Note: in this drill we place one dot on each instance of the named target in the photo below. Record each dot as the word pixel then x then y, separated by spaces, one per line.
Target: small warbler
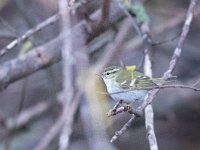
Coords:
pixel 125 83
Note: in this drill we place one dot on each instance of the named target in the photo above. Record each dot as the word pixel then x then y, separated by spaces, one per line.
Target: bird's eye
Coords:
pixel 107 73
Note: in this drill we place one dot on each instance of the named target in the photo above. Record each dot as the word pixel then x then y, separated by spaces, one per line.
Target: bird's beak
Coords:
pixel 98 75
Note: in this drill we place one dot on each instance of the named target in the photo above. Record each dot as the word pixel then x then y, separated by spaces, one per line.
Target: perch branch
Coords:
pixel 12 71
pixel 177 52
pixel 149 97
pixel 147 42
pixel 149 121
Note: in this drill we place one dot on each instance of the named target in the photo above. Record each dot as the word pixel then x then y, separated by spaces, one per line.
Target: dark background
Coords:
pixel 177 111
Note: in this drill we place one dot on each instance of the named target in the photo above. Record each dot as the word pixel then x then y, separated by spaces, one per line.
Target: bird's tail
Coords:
pixel 160 81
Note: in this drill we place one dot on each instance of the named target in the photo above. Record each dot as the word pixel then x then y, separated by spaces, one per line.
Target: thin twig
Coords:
pixel 118 110
pixel 44 55
pixel 131 19
pixel 114 47
pixel 159 29
pixel 114 109
pixel 196 83
pixel 155 87
pixel 29 33
pixel 4 22
pixel 147 42
pixel 26 116
pixel 123 129
pixel 184 33
pixel 56 128
pixel 148 99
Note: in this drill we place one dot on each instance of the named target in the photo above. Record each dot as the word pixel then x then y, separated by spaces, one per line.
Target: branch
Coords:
pixel 56 128
pixel 149 97
pixel 184 33
pixel 143 28
pixel 45 55
pixel 25 116
pixel 29 63
pixel 159 29
pixel 170 86
pixel 123 129
pixel 113 48
pixel 177 52
pixel 149 121
pixel 68 69
pixel 191 87
pixel 29 33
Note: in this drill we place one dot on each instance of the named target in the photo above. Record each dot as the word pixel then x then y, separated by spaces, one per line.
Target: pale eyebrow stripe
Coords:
pixel 114 70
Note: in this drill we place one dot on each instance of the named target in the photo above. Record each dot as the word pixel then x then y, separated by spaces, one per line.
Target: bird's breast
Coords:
pixel 117 93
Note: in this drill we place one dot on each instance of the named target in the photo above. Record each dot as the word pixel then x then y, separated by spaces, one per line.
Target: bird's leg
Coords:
pixel 131 110
pixel 115 110
pixel 118 108
pixel 117 105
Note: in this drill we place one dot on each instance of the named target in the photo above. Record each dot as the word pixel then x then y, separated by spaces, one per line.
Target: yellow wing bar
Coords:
pixel 131 69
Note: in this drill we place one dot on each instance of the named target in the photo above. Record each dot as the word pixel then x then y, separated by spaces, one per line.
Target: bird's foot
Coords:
pixel 115 109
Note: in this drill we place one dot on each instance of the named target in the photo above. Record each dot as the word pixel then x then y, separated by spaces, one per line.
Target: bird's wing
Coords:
pixel 143 81
pixel 124 78
pixel 130 80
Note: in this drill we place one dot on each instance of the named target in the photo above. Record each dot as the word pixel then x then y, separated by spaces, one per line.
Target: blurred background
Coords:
pixel 177 111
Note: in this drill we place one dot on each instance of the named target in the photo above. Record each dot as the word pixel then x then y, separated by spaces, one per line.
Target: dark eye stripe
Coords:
pixel 108 73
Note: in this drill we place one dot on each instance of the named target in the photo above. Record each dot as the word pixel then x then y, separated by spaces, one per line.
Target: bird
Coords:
pixel 127 84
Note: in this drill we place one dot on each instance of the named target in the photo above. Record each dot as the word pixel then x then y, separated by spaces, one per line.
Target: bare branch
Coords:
pixel 147 69
pixel 190 87
pixel 25 116
pixel 123 129
pixel 172 86
pixel 29 63
pixel 44 55
pixel 177 52
pixel 114 47
pixel 149 122
pixel 29 33
pixel 144 32
pixel 56 128
pixel 13 30
pixel 68 64
pixel 160 28
pixel 184 33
